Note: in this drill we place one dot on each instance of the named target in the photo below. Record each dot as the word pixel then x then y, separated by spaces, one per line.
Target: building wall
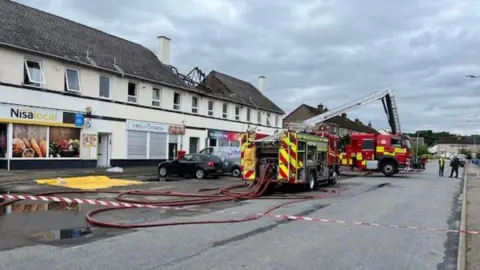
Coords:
pixel 109 115
pixel 453 149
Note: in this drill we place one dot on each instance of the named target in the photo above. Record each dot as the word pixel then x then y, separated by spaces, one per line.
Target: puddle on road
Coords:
pixel 63 234
pixel 21 207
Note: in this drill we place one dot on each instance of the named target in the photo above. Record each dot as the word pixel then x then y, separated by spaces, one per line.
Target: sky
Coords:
pixel 321 51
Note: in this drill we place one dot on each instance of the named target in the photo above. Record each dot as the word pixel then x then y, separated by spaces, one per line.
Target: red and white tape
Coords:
pixel 289 217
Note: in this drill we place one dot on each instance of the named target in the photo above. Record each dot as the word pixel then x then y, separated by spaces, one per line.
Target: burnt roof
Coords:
pixel 34 30
pixel 344 122
pixel 229 87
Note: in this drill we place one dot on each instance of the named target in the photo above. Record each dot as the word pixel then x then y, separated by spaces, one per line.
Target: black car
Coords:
pixel 198 165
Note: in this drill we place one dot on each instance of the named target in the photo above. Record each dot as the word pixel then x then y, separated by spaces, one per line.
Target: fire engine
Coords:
pixel 295 157
pixel 388 153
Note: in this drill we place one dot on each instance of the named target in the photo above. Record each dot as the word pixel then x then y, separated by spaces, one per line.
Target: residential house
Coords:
pixel 74 96
pixel 340 125
pixel 451 146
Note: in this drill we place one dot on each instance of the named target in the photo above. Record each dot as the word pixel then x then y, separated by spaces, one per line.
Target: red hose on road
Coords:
pixel 224 194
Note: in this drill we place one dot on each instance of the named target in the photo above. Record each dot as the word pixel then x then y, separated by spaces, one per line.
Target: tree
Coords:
pixel 344 141
pixel 422 149
pixel 465 152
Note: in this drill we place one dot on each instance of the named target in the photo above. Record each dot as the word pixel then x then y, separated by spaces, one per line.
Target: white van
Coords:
pixel 229 155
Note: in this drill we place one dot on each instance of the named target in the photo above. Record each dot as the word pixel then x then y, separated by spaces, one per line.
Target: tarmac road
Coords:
pixel 421 199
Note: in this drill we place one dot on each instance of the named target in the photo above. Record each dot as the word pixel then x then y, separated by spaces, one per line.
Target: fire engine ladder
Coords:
pixel 389 105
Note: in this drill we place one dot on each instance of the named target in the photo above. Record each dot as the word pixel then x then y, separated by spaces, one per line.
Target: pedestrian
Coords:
pixel 423 161
pixel 441 163
pixel 454 164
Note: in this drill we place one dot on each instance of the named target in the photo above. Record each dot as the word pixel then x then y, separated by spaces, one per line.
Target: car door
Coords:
pixel 174 166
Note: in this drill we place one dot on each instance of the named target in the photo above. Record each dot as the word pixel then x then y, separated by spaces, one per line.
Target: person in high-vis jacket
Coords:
pixel 441 164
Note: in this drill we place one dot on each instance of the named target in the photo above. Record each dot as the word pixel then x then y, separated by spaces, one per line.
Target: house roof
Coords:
pixel 31 29
pixel 344 122
pixel 244 92
pixel 459 140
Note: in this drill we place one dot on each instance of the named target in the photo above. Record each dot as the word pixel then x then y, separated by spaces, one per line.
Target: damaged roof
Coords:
pixel 229 87
pixel 31 29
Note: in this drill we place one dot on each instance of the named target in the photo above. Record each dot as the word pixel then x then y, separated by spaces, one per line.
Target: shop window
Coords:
pixel 72 80
pixel 234 143
pixel 259 117
pixel 225 110
pixel 194 105
pixel 176 101
pixel 137 144
pixel 3 140
pixel 156 97
pixel 237 113
pixel 249 111
pixel 268 120
pixel 29 141
pixel 158 145
pixel 132 92
pixel 104 87
pixel 223 142
pixel 33 73
pixel 64 142
pixel 211 107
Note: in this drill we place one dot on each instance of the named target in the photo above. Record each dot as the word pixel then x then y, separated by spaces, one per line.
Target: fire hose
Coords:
pixel 257 190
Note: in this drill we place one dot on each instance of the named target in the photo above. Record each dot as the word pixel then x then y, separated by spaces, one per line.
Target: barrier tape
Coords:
pixel 288 217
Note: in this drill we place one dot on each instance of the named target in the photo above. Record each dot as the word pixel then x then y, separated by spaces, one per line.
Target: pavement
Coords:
pixel 473 217
pixel 134 173
pixel 409 199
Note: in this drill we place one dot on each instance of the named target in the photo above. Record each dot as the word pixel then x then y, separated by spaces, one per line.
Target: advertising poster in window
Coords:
pixel 29 141
pixel 64 142
pixel 3 140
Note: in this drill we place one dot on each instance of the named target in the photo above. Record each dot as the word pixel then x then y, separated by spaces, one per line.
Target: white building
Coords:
pixel 73 96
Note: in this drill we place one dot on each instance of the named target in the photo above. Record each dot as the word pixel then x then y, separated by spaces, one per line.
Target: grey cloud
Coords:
pixel 316 51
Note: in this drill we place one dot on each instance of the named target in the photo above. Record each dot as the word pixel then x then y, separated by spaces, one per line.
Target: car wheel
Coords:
pixel 162 171
pixel 200 174
pixel 236 172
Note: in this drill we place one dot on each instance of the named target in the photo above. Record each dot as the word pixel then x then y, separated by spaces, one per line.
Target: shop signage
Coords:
pixel 147 126
pixel 226 135
pixel 177 130
pixel 79 119
pixel 26 113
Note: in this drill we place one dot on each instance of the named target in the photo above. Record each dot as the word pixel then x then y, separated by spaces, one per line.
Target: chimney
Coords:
pixel 344 115
pixel 261 84
pixel 164 49
pixel 320 108
pixel 369 124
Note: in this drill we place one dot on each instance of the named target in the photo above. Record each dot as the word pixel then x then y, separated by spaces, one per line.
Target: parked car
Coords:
pixel 197 165
pixel 230 157
pixel 463 159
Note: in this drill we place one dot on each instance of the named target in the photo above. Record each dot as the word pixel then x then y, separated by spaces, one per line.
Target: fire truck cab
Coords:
pixel 294 157
pixel 386 153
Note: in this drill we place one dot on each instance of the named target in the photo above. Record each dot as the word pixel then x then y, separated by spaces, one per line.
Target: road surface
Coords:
pixel 423 200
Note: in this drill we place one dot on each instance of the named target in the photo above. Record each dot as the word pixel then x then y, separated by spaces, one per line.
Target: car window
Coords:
pixel 188 157
pixel 197 158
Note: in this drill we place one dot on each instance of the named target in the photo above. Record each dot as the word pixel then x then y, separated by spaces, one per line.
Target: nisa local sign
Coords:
pixel 33 115
pixel 29 114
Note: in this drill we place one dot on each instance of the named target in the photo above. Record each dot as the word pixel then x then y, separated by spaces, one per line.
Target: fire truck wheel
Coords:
pixel 333 179
pixel 388 168
pixel 312 181
pixel 200 174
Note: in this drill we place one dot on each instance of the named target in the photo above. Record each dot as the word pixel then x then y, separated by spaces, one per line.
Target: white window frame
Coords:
pixel 237 116
pixel 136 92
pixel 269 123
pixel 259 117
pixel 34 83
pixel 212 111
pixel 109 86
pixel 224 113
pixel 66 80
pixel 157 102
pixel 276 120
pixel 195 109
pixel 177 107
pixel 249 115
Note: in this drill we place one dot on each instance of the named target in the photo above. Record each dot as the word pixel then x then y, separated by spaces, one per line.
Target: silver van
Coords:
pixel 229 155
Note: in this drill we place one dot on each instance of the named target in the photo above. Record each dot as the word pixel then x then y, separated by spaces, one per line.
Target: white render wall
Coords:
pixel 12 72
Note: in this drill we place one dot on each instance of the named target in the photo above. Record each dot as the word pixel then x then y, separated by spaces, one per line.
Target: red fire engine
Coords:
pixel 388 153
